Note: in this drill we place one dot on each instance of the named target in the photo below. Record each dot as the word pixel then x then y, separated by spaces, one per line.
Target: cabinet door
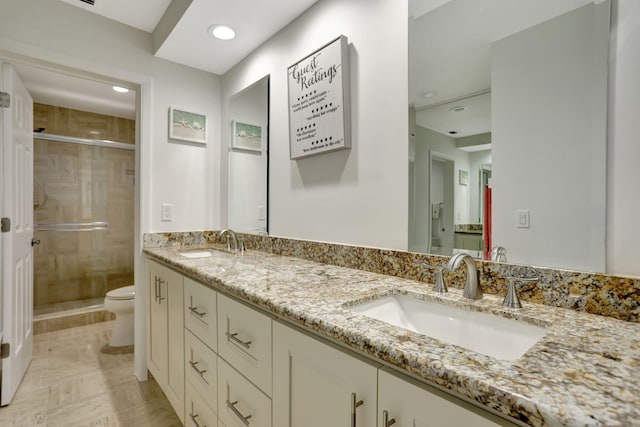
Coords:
pixel 157 324
pixel 198 413
pixel 166 333
pixel 201 370
pixel 240 403
pixel 408 403
pixel 244 340
pixel 317 385
pixel 200 312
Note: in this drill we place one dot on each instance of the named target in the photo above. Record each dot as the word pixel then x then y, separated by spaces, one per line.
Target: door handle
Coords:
pixel 35 242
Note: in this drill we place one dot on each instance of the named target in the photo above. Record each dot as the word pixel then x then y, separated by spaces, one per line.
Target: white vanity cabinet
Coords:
pixel 317 385
pixel 221 362
pixel 404 402
pixel 165 334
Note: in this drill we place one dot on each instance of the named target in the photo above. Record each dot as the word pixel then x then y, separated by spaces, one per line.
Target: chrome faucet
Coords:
pixel 499 254
pixel 231 235
pixel 472 288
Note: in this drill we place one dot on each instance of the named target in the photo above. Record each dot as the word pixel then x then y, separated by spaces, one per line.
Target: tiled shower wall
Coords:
pixel 83 184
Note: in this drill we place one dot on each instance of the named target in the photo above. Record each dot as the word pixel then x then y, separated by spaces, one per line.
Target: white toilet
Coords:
pixel 120 302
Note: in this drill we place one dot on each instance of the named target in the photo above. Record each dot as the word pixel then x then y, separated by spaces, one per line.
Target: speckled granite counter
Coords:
pixel 584 372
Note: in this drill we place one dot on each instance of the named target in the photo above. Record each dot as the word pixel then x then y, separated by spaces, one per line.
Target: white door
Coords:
pixel 16 137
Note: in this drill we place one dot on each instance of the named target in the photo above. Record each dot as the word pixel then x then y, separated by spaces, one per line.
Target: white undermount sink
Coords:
pixel 488 334
pixel 199 253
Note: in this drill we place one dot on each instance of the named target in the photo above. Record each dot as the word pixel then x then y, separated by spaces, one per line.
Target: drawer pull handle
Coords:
pixel 195 311
pixel 234 337
pixel 354 405
pixel 193 418
pixel 200 372
pixel 232 406
pixel 386 422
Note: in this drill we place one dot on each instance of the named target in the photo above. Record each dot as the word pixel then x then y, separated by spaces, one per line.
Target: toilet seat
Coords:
pixel 120 294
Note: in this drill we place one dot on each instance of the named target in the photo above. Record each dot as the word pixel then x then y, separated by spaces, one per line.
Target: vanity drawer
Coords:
pixel 245 341
pixel 241 403
pixel 200 369
pixel 200 312
pixel 197 412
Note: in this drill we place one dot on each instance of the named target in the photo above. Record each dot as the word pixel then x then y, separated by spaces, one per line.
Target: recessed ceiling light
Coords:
pixel 459 109
pixel 120 89
pixel 222 32
pixel 430 94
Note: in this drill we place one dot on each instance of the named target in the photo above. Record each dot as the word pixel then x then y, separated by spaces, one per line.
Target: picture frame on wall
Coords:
pixel 319 104
pixel 246 136
pixel 187 125
pixel 463 177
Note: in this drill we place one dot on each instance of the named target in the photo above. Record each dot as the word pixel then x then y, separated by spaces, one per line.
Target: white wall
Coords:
pixel 623 173
pixel 248 169
pixel 548 133
pixel 360 195
pixel 53 31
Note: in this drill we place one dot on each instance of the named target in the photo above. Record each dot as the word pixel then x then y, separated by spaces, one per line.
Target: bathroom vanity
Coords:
pixel 284 323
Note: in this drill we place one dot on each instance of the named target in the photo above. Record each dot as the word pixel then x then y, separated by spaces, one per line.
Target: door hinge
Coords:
pixel 5 226
pixel 5 350
pixel 5 100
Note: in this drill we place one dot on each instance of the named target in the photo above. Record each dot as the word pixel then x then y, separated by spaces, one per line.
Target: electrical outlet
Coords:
pixel 167 212
pixel 261 213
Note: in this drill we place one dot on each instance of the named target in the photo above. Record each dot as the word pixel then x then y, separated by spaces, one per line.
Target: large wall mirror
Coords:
pixel 509 95
pixel 249 159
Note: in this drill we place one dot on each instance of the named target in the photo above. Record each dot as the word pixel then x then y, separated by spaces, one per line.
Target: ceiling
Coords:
pixel 141 14
pixel 52 88
pixel 188 43
pixel 450 51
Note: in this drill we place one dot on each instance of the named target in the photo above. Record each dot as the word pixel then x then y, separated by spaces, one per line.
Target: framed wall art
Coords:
pixel 463 177
pixel 187 125
pixel 318 87
pixel 246 136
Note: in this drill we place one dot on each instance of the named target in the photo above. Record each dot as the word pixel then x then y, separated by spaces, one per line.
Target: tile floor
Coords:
pixel 70 383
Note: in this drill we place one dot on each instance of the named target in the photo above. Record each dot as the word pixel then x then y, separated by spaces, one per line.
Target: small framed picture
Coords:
pixel 246 136
pixel 463 177
pixel 187 125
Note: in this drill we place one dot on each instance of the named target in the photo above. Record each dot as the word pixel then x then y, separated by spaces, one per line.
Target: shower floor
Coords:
pixel 67 307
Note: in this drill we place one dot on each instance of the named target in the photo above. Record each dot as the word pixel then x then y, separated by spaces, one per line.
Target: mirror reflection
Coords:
pixel 249 159
pixel 507 141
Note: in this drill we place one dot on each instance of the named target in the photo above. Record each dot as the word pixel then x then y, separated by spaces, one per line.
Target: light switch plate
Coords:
pixel 522 219
pixel 167 212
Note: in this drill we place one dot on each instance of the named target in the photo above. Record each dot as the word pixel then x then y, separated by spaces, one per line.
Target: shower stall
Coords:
pixel 83 208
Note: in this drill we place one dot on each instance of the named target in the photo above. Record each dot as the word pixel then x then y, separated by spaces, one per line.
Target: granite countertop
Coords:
pixel 584 372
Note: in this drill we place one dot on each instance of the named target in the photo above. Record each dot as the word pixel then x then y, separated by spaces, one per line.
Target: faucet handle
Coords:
pixel 511 299
pixel 241 245
pixel 439 286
